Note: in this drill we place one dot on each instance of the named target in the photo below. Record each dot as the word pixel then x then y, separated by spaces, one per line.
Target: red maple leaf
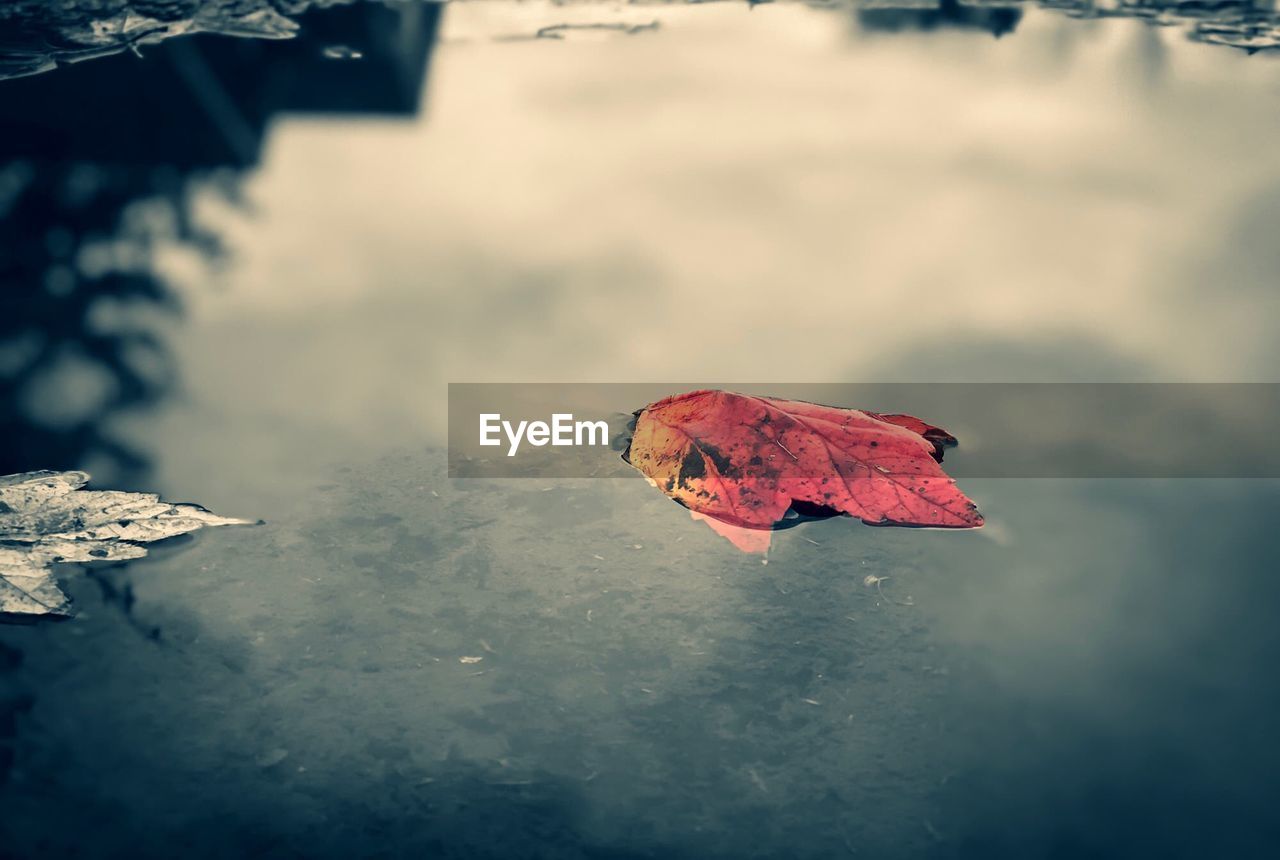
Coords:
pixel 761 462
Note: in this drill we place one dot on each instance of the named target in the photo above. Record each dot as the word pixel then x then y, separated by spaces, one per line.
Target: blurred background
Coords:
pixel 245 245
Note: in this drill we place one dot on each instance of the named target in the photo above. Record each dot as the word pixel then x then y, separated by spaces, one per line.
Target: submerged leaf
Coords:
pixel 47 518
pixel 764 463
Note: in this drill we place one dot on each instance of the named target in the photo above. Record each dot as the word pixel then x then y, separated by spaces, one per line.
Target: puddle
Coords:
pixel 243 271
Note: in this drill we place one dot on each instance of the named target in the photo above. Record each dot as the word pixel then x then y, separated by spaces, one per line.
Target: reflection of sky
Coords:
pixel 761 196
pixel 756 195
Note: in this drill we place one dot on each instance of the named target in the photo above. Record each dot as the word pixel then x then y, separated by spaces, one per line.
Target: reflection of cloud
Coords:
pixel 740 196
pixel 1230 286
pixel 997 357
pixel 1250 254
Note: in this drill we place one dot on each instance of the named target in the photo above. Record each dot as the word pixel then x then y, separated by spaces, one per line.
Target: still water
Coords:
pixel 241 271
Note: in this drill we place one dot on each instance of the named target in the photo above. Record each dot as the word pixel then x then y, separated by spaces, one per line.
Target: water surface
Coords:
pixel 254 292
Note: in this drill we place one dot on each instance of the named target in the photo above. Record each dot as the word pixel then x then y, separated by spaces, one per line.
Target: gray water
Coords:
pixel 777 192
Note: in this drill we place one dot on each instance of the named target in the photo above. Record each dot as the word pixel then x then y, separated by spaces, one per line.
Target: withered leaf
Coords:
pixel 47 518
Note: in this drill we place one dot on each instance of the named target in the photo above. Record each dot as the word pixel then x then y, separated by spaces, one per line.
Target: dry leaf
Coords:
pixel 761 463
pixel 47 518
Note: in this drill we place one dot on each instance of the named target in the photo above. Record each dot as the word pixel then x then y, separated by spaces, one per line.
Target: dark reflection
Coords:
pixel 998 20
pixel 38 36
pixel 463 812
pixel 98 168
pixel 1139 723
pixel 75 269
pixel 13 702
pixel 1248 25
